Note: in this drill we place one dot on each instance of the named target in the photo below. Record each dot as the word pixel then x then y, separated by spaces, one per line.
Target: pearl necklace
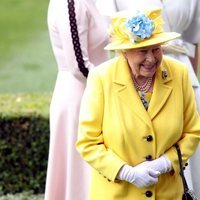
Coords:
pixel 145 87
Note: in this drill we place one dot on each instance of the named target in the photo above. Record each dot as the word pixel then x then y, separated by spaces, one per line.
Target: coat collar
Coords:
pixel 128 95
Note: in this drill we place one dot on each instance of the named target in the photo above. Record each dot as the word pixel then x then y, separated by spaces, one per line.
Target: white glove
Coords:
pixel 161 164
pixel 140 175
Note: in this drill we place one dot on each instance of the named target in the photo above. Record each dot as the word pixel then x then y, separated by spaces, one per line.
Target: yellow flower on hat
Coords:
pixel 137 30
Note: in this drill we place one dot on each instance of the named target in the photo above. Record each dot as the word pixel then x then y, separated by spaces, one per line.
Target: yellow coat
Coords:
pixel 115 128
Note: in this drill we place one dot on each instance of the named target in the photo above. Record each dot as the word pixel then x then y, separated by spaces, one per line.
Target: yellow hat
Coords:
pixel 139 29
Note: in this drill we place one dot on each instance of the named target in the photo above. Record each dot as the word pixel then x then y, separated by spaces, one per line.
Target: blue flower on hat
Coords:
pixel 140 26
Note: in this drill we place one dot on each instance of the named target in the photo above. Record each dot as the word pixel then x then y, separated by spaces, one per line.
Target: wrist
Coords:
pixel 123 172
pixel 167 163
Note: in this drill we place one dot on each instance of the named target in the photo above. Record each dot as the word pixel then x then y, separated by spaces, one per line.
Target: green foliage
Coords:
pixel 23 196
pixel 24 104
pixel 24 140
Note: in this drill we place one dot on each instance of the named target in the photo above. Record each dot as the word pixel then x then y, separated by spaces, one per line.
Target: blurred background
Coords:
pixel 27 76
pixel 26 60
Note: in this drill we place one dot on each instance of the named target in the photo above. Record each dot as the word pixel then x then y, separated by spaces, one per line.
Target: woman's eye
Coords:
pixel 156 50
pixel 143 51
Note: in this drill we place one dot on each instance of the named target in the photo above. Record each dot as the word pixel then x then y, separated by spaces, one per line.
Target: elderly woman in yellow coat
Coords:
pixel 135 108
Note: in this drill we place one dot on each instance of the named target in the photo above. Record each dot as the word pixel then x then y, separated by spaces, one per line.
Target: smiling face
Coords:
pixel 144 61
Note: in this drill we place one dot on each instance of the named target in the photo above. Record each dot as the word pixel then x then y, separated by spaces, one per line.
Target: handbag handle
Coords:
pixel 75 38
pixel 185 186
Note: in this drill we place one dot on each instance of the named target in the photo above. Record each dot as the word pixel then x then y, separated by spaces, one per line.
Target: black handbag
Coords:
pixel 188 194
pixel 75 38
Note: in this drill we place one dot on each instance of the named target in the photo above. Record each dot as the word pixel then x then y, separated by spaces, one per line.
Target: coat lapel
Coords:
pixel 161 91
pixel 126 92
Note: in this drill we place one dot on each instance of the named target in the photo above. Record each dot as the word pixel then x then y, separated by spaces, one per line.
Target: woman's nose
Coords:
pixel 150 57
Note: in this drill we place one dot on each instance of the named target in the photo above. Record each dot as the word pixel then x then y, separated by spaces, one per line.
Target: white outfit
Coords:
pixel 68 175
pixel 182 16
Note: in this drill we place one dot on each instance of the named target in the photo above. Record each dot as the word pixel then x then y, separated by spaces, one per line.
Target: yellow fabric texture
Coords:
pixel 114 126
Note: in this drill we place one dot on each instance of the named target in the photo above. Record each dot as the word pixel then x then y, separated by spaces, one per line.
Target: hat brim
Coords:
pixel 155 39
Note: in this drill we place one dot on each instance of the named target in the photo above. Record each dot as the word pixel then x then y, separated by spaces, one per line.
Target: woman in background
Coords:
pixel 182 16
pixel 68 174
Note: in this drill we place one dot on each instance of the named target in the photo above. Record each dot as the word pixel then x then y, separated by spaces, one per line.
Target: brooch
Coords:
pixel 164 74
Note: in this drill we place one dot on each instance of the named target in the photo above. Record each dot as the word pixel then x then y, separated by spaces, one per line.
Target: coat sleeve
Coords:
pixel 191 125
pixel 90 142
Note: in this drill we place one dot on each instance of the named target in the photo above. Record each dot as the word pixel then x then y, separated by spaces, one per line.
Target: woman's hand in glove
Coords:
pixel 161 164
pixel 140 175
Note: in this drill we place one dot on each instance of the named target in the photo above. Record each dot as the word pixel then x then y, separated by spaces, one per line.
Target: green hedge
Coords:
pixel 23 196
pixel 24 141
